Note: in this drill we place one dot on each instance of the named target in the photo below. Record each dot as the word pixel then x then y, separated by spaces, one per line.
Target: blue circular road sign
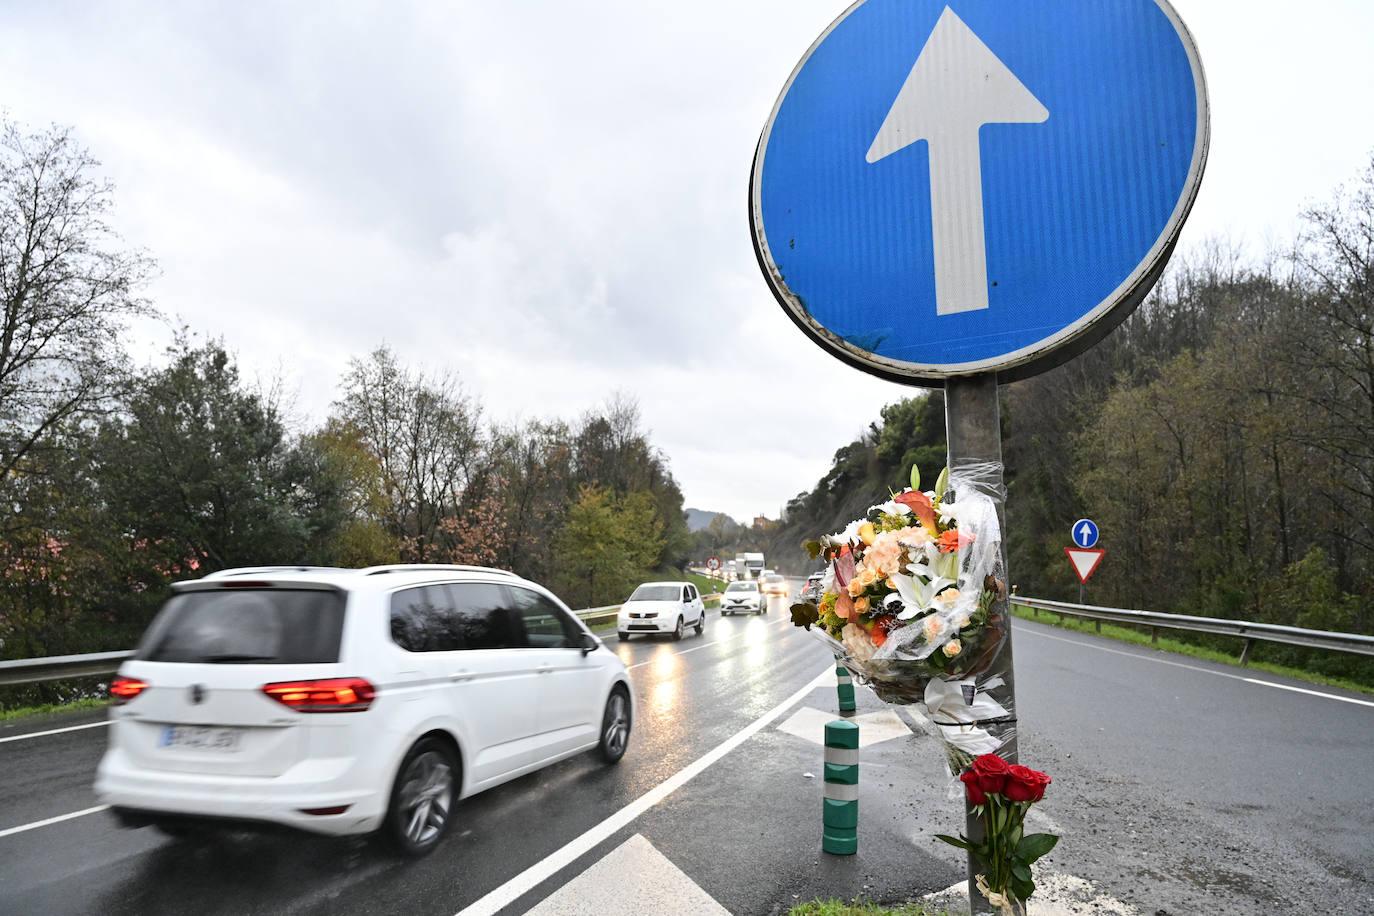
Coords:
pixel 1084 533
pixel 978 186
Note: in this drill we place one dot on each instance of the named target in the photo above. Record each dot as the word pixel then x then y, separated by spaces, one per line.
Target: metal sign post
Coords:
pixel 973 431
pixel 949 193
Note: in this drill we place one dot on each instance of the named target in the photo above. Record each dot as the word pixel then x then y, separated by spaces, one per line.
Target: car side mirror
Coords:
pixel 589 644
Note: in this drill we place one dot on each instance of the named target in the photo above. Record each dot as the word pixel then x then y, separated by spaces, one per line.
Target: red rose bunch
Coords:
pixel 1001 794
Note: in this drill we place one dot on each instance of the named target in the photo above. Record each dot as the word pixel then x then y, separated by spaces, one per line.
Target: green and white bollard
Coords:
pixel 840 834
pixel 845 688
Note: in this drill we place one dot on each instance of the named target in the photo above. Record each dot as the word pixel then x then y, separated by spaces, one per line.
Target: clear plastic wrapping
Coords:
pixel 935 616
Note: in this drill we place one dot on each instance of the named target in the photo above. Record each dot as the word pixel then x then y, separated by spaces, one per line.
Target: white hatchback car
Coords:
pixel 661 607
pixel 743 596
pixel 352 701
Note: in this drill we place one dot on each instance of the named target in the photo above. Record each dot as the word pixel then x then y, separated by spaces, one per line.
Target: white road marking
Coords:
pixel 541 871
pixel 54 731
pixel 1165 661
pixel 874 727
pixel 10 831
pixel 632 879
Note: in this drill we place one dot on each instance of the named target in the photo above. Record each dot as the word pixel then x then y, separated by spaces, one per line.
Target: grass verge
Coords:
pixel 1178 647
pixel 840 908
pixel 704 584
pixel 22 712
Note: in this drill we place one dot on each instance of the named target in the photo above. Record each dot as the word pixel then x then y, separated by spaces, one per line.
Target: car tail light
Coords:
pixel 124 689
pixel 337 694
pixel 326 812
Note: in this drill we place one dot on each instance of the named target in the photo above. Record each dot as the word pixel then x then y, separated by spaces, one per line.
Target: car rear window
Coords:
pixel 270 626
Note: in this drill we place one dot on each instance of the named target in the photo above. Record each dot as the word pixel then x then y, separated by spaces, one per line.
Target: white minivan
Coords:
pixel 353 701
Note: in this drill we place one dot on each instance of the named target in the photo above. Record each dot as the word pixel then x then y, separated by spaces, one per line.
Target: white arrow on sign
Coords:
pixel 1085 533
pixel 955 87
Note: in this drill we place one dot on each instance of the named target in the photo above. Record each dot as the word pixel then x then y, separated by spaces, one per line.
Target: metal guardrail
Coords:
pixel 1240 629
pixel 58 667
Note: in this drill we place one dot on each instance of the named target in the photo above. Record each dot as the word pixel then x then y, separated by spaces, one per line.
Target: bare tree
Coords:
pixel 68 288
pixel 1337 261
pixel 426 435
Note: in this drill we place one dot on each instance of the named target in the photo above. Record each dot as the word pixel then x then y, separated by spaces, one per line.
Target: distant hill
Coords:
pixel 699 519
pixel 911 431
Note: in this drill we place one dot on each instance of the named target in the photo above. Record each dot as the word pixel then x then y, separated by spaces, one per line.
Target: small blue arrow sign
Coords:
pixel 950 187
pixel 1085 533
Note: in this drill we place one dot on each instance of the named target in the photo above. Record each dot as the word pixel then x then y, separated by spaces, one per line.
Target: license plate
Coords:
pixel 200 738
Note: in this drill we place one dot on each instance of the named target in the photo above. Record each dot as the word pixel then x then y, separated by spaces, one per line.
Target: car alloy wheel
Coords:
pixel 615 726
pixel 701 622
pixel 423 798
pixel 677 633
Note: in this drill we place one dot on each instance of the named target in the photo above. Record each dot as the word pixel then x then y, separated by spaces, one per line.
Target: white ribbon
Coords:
pixel 947 707
pixel 970 739
pixel 947 699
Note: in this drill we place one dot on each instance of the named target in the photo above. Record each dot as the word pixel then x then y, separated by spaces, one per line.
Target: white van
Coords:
pixel 353 701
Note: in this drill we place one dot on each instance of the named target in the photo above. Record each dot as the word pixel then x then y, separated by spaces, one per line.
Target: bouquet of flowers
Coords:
pixel 912 591
pixel 1001 794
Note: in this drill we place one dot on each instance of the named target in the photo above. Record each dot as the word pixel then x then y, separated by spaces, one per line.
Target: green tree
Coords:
pixel 200 474
pixel 607 546
pixel 343 498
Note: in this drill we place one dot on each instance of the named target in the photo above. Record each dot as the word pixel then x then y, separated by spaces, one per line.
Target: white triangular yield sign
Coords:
pixel 1084 561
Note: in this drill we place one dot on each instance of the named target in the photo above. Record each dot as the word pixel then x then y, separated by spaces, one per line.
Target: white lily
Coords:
pixel 922 568
pixel 948 512
pixel 918 596
pixel 928 562
pixel 891 507
pixel 850 534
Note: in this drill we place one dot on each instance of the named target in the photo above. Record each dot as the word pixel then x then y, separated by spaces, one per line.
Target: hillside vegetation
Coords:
pixel 1222 437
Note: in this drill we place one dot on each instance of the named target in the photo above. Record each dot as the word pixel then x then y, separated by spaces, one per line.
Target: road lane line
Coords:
pixel 52 820
pixel 494 901
pixel 1165 661
pixel 54 731
pixel 1315 693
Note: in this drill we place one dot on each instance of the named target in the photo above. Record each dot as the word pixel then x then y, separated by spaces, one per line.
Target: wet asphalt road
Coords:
pixel 691 696
pixel 1179 786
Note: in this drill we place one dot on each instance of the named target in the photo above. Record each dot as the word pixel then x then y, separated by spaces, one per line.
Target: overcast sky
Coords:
pixel 549 197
